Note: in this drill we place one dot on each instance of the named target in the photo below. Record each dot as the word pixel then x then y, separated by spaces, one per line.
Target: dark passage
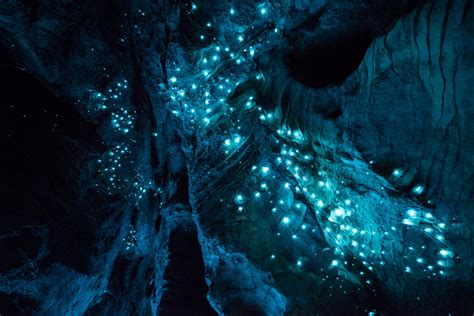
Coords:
pixel 332 60
pixel 42 139
pixel 186 289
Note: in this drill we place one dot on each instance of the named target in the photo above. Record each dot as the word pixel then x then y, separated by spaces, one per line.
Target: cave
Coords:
pixel 330 61
pixel 237 157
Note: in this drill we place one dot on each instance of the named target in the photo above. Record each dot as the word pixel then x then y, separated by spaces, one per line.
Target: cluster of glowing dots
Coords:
pixel 291 135
pixel 193 100
pixel 105 100
pixel 336 225
pixel 198 97
pixel 130 240
pixel 186 89
pixel 142 186
pixel 122 120
pixel 233 143
pixel 111 163
pixel 434 229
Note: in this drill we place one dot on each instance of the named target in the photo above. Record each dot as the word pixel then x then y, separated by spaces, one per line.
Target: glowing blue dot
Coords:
pixel 397 173
pixel 418 189
pixel 339 212
pixel 298 135
pixel 239 199
pixel 285 220
pixel 445 253
pixel 407 221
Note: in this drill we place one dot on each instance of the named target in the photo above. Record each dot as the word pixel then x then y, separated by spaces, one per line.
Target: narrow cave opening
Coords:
pixel 330 61
pixel 186 288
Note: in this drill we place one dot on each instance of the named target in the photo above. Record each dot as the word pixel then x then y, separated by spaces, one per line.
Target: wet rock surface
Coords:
pixel 237 158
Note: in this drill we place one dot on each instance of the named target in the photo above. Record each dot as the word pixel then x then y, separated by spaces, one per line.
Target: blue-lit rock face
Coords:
pixel 237 158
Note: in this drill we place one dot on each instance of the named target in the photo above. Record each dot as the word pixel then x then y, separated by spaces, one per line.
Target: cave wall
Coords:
pixel 320 164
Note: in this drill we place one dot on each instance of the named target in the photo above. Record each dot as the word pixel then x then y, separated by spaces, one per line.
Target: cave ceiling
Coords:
pixel 278 157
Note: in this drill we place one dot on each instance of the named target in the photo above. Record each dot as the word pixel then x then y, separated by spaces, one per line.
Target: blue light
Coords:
pixel 239 199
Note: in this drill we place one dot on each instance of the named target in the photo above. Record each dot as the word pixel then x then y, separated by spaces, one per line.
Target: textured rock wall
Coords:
pixel 315 157
pixel 102 250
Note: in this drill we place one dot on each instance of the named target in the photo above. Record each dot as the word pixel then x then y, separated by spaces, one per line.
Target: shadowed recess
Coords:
pixel 330 61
